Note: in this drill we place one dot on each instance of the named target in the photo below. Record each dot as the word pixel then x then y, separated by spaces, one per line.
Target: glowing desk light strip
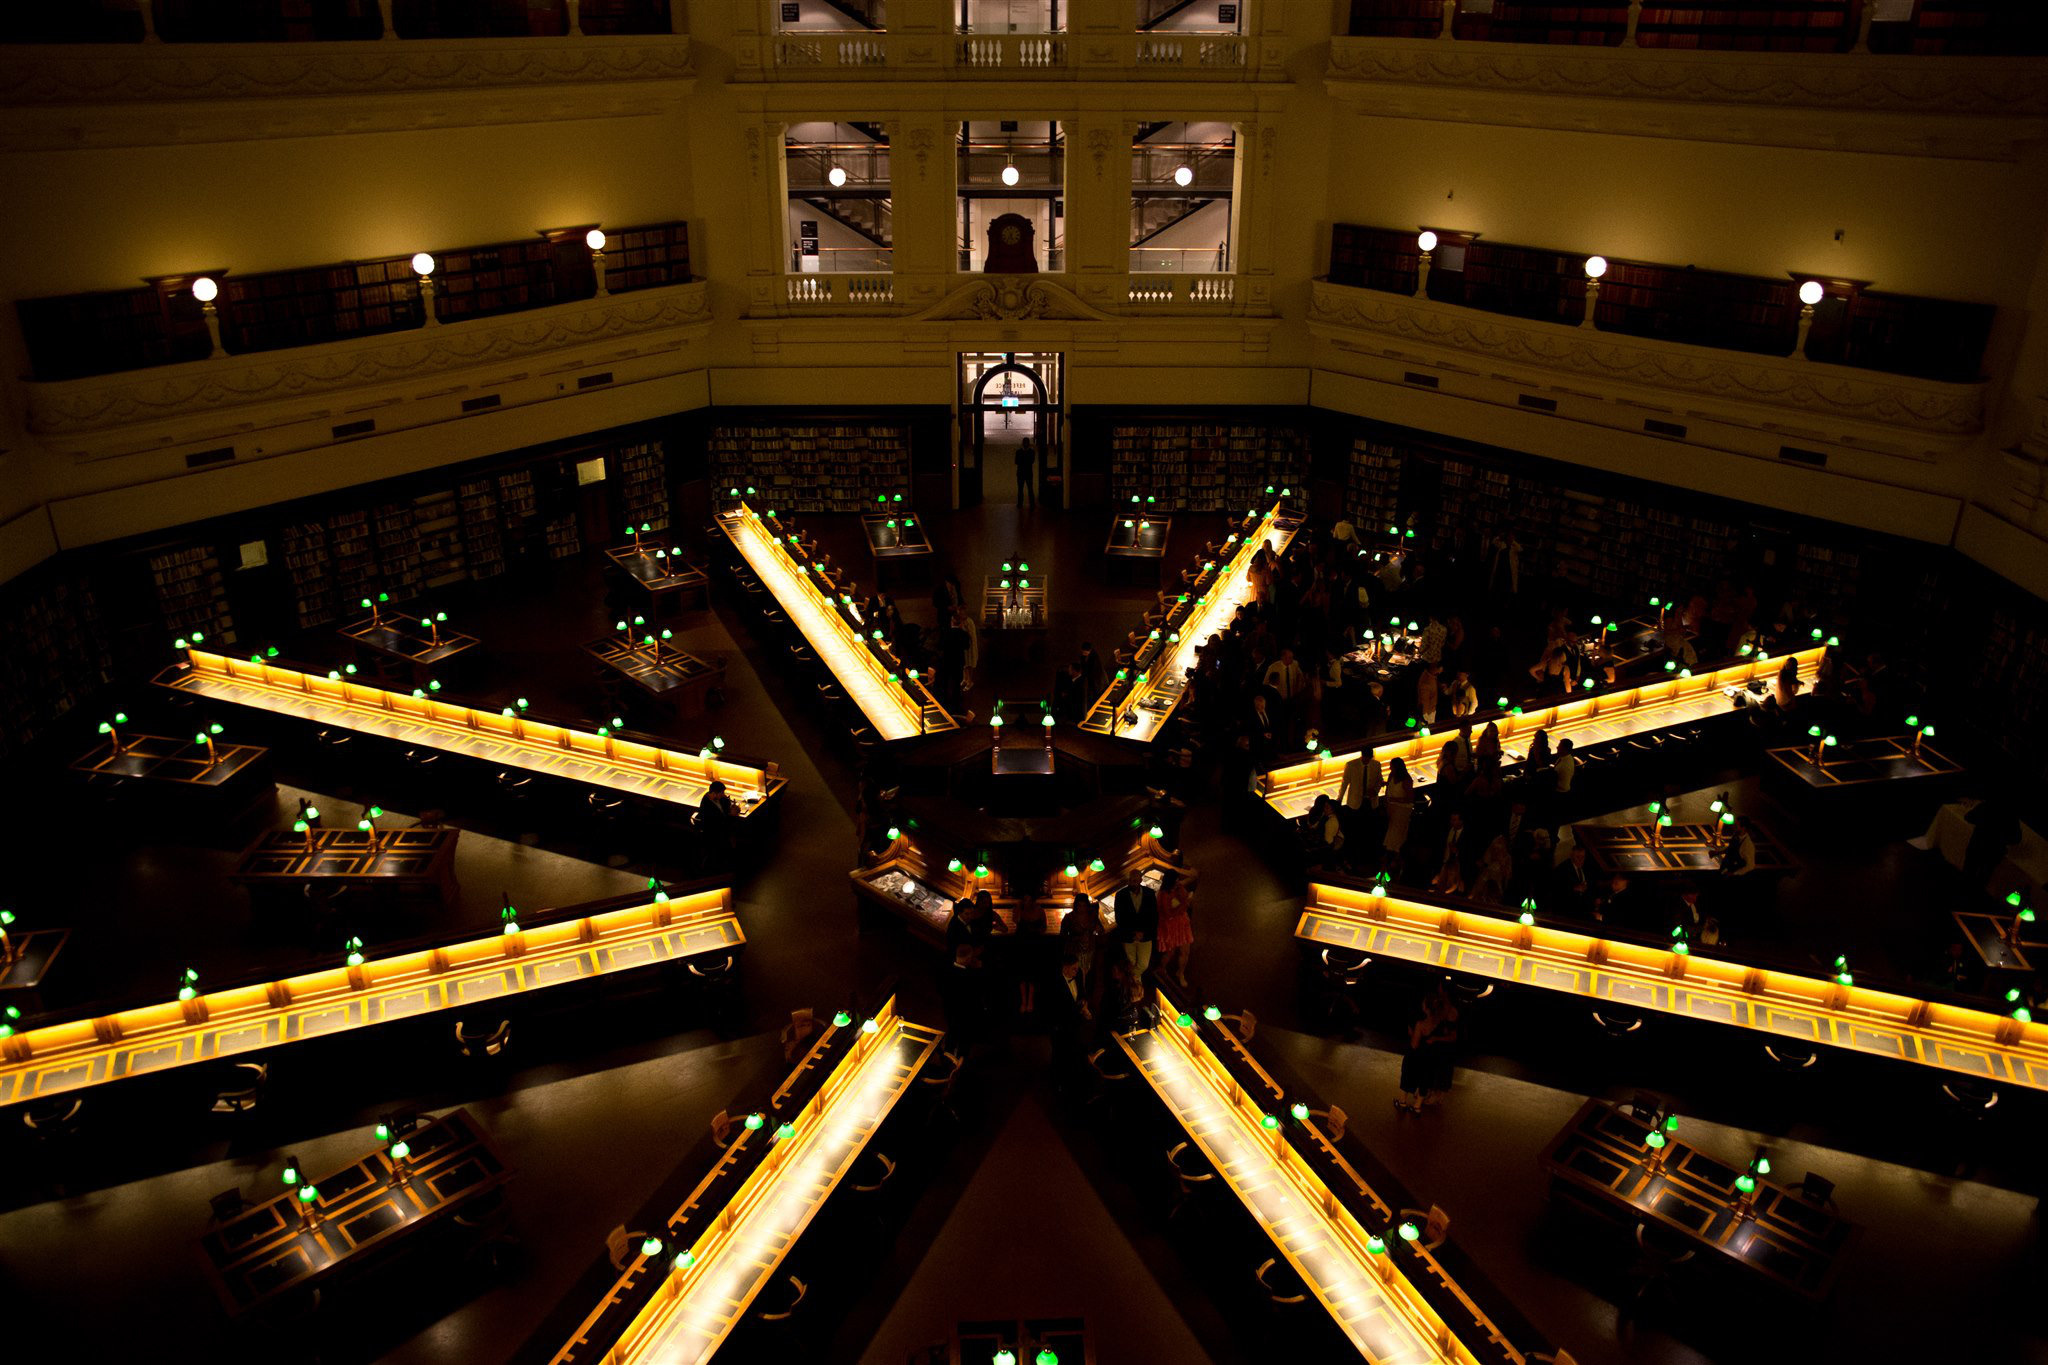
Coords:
pixel 704 1297
pixel 533 745
pixel 153 1038
pixel 1292 790
pixel 1384 1315
pixel 1231 590
pixel 889 707
pixel 1857 1018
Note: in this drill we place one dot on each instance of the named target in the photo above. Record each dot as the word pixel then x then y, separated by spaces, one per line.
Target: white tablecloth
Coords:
pixel 2025 867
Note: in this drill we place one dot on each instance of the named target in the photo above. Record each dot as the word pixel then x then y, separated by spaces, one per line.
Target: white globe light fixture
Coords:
pixel 422 264
pixel 1810 293
pixel 836 177
pixel 594 239
pixel 1596 266
pixel 205 289
pixel 1426 240
pixel 1183 176
pixel 1010 174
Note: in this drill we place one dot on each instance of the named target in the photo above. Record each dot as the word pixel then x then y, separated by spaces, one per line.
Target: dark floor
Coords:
pixel 1023 1223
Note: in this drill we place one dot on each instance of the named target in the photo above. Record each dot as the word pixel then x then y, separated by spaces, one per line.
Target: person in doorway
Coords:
pixel 1027 459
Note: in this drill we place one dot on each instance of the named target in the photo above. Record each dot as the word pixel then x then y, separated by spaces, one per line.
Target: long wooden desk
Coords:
pixel 181 762
pixel 1864 762
pixel 254 1018
pixel 360 1211
pixel 736 1230
pixel 886 700
pixel 1601 1159
pixel 659 571
pixel 1592 719
pixel 1638 850
pixel 1809 1009
pixel 1368 1294
pixel 536 746
pixel 420 856
pixel 673 676
pixel 1159 674
pixel 408 640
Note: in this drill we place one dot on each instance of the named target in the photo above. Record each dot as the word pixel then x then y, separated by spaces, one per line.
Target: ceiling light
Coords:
pixel 1183 175
pixel 836 177
pixel 1010 175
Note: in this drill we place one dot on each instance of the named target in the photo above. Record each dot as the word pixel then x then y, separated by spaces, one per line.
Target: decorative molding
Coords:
pixel 147 94
pixel 1013 298
pixel 207 387
pixel 920 143
pixel 1454 336
pixel 1101 141
pixel 1966 107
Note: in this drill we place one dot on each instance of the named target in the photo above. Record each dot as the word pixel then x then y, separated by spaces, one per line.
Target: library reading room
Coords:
pixel 1390 704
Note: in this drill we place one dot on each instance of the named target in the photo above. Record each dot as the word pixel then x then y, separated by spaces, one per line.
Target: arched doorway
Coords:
pixel 1005 398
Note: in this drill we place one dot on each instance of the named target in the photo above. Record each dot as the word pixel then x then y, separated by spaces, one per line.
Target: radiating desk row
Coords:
pixel 730 1236
pixel 1993 1047
pixel 255 1018
pixel 895 707
pixel 557 751
pixel 1159 672
pixel 1593 719
pixel 1356 1273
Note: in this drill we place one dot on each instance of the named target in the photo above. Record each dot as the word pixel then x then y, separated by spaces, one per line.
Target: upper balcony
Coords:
pixel 140 72
pixel 1919 77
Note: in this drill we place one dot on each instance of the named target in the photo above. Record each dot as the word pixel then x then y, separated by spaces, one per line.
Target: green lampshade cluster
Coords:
pixel 354 948
pixel 1842 974
pixel 188 984
pixel 1679 943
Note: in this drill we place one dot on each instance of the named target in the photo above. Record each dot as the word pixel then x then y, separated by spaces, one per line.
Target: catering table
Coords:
pixel 662 573
pixel 362 1210
pixel 1013 602
pixel 244 1019
pixel 2024 867
pixel 1601 1162
pixel 178 762
pixel 1684 848
pixel 412 859
pixel 674 677
pixel 408 641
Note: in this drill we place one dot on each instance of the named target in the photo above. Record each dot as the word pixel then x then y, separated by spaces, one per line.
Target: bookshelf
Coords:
pixel 1699 307
pixel 647 257
pixel 437 525
pixel 191 593
pixel 1600 23
pixel 311 568
pixel 812 468
pixel 398 550
pixel 482 544
pixel 643 477
pixel 1372 485
pixel 486 280
pixel 128 329
pixel 1750 26
pixel 563 539
pixel 355 563
pixel 283 308
pixel 59 656
pixel 1205 466
pixel 1373 258
pixel 1523 282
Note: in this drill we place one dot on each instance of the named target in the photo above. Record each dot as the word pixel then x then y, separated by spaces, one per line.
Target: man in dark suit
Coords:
pixel 1137 924
pixel 1572 888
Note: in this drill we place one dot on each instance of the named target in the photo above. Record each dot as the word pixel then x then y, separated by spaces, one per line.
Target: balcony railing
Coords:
pixel 1011 51
pixel 75 335
pixel 843 260
pixel 826 290
pixel 1153 260
pixel 292 21
pixel 1198 51
pixel 1936 27
pixel 803 51
pixel 1191 289
pixel 1935 339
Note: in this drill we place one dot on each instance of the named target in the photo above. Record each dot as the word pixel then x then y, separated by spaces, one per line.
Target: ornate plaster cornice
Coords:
pixel 642 321
pixel 1969 107
pixel 1013 298
pixel 99 96
pixel 1733 384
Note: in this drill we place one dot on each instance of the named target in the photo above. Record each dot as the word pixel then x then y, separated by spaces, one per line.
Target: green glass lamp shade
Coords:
pixel 1047 1356
pixel 650 1246
pixel 1095 865
pixel 1006 1356
pixel 1654 1141
pixel 754 1121
pixel 308 1193
pixel 870 1027
pixel 787 1130
pixel 1073 870
pixel 1184 1019
pixel 1409 1232
pixel 1376 1245
pixel 841 1019
pixel 1746 1184
pixel 952 864
pixel 1268 1122
pixel 1156 832
pixel 1671 1123
pixel 1300 1112
pixel 401 1149
pixel 684 1260
pixel 1212 1013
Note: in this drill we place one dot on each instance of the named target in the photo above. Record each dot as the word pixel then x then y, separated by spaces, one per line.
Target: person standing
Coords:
pixel 1137 925
pixel 1027 458
pixel 1286 681
pixel 963 619
pixel 1176 924
pixel 1400 806
pixel 1426 1070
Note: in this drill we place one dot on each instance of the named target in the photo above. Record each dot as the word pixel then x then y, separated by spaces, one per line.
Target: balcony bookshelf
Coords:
pixel 1204 466
pixel 827 467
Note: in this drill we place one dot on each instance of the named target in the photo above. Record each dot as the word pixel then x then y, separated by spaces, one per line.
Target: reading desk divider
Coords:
pixel 610 761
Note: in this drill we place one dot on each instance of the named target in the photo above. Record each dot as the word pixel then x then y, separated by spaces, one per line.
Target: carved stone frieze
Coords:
pixel 69 96
pixel 1012 298
pixel 1397 325
pixel 1961 106
pixel 208 386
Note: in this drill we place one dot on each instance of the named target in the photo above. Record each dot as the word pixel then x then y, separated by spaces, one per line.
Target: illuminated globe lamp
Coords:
pixel 1810 294
pixel 423 266
pixel 1596 266
pixel 1011 175
pixel 1425 242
